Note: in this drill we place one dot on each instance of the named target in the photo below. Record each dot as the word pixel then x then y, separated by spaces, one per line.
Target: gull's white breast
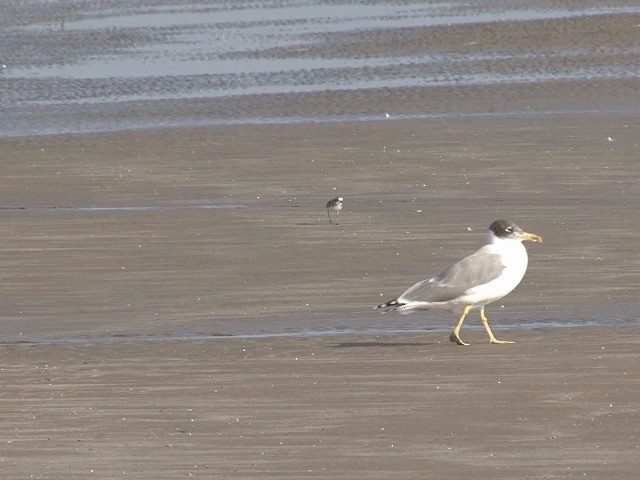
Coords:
pixel 514 257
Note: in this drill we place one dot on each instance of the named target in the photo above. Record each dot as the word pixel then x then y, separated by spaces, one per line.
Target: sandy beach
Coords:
pixel 560 403
pixel 176 304
pixel 96 381
pixel 107 235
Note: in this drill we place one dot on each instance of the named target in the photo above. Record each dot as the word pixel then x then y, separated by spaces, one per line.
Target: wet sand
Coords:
pixel 175 303
pixel 561 403
pixel 154 257
pixel 97 383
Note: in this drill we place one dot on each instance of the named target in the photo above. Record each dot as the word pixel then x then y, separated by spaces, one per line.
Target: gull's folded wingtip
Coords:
pixel 391 305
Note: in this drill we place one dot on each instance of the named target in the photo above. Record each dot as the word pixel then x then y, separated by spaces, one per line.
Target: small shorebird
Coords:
pixel 487 275
pixel 334 205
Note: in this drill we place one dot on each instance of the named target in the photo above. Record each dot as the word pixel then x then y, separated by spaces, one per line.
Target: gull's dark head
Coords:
pixel 510 231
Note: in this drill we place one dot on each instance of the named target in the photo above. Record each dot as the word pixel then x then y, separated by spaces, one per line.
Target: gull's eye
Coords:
pixel 509 229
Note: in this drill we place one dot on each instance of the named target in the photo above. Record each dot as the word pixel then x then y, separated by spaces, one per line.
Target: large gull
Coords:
pixel 485 276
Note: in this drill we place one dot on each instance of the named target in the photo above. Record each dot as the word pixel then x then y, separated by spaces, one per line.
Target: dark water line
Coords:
pixel 160 338
pixel 257 121
pixel 131 208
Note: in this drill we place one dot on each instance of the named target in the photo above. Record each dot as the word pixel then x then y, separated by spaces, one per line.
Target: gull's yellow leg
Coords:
pixel 455 335
pixel 485 323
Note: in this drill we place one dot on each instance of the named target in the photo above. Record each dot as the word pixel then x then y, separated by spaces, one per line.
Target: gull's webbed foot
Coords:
pixel 500 342
pixel 455 338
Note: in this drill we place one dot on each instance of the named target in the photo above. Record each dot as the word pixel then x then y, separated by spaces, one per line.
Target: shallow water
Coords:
pixel 101 66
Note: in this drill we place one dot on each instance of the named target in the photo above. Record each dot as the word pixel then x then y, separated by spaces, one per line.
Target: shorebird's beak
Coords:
pixel 532 237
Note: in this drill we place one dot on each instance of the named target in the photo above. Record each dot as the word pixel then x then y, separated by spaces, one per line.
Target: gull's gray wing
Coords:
pixel 477 269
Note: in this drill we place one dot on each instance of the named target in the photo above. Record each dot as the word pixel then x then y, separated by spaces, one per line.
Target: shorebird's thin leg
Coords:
pixel 485 323
pixel 455 335
pixel 337 215
pixel 329 215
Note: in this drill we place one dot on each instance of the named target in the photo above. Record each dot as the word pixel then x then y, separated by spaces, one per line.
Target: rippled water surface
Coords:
pixel 106 65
